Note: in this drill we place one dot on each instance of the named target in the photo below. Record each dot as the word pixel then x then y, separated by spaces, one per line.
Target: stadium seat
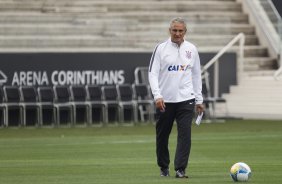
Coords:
pixel 78 99
pixel 2 109
pixel 145 102
pixel 63 104
pixel 46 98
pixel 110 96
pixel 141 75
pixel 97 106
pixel 127 103
pixel 12 102
pixel 30 102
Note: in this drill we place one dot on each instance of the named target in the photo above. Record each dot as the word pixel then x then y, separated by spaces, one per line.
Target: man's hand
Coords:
pixel 200 108
pixel 160 104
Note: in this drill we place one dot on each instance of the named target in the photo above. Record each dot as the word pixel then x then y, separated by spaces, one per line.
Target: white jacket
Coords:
pixel 175 72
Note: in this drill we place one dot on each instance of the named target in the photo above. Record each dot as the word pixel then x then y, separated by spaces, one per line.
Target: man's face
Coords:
pixel 177 32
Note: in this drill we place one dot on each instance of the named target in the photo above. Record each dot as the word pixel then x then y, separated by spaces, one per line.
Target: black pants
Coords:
pixel 183 113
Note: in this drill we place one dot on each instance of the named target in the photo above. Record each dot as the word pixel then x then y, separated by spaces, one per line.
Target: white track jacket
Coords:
pixel 175 72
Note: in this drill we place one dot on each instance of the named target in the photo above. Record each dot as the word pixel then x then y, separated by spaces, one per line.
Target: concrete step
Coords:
pixel 266 99
pixel 259 74
pixel 134 27
pixel 89 1
pixel 40 7
pixel 249 50
pixel 256 115
pixel 250 90
pixel 85 1
pixel 252 108
pixel 255 97
pixel 255 109
pixel 121 27
pixel 252 98
pixel 146 48
pixel 122 9
pixel 53 29
pixel 127 2
pixel 36 19
pixel 99 40
pixel 261 79
pixel 132 14
pixel 256 51
pixel 102 6
pixel 202 28
pixel 248 67
pixel 64 41
pixel 213 40
pixel 261 61
pixel 112 6
pixel 141 37
pixel 72 49
pixel 158 17
pixel 191 16
pixel 255 112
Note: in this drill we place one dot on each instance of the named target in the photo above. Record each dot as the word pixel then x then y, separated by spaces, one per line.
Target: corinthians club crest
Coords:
pixel 188 54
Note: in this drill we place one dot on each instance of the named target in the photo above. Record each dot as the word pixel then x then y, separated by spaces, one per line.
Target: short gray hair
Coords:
pixel 178 20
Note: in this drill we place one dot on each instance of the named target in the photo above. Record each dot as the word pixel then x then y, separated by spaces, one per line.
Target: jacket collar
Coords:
pixel 174 44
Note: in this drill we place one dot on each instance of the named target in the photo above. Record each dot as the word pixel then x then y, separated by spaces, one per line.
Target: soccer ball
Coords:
pixel 240 172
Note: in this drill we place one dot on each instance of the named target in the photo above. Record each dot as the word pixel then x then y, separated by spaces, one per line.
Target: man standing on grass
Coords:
pixel 175 80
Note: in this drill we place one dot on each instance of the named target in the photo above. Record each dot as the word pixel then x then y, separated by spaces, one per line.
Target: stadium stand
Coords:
pixel 136 26
pixel 85 25
pixel 258 95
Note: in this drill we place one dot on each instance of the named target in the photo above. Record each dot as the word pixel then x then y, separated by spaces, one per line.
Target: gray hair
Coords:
pixel 178 20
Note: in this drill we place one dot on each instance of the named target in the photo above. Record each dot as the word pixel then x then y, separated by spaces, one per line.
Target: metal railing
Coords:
pixel 240 62
pixel 276 21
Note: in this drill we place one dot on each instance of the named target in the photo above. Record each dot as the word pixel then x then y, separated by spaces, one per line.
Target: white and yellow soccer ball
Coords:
pixel 240 172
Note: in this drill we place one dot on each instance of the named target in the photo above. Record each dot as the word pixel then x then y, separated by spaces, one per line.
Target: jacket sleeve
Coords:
pixel 197 79
pixel 154 70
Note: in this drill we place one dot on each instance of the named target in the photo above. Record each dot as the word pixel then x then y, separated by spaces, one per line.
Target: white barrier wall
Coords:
pixel 44 69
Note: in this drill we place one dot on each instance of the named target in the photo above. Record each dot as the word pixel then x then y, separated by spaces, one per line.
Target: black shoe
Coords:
pixel 164 172
pixel 180 174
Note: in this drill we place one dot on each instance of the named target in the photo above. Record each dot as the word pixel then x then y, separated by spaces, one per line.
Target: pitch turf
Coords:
pixel 126 155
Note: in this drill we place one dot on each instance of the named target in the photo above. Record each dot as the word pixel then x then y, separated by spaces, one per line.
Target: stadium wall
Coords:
pixel 44 69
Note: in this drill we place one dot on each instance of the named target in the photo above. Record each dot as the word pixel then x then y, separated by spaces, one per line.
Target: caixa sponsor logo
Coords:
pixel 178 67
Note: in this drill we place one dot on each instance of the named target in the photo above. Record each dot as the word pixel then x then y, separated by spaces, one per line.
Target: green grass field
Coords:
pixel 126 155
